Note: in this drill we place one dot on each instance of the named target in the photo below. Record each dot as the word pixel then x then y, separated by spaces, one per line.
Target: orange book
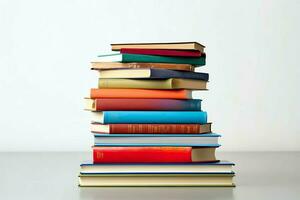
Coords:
pixel 140 94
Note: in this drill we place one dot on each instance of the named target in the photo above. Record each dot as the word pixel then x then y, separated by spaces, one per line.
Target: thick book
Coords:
pixel 152 74
pixel 151 128
pixel 169 45
pixel 96 93
pixel 157 180
pixel 171 83
pixel 159 154
pixel 150 117
pixel 163 52
pixel 128 58
pixel 134 65
pixel 142 104
pixel 205 140
pixel 210 167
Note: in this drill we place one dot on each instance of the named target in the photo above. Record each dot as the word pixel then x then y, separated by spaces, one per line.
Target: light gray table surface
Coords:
pixel 259 175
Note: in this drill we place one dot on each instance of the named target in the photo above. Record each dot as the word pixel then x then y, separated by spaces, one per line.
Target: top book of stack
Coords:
pixel 174 45
pixel 183 56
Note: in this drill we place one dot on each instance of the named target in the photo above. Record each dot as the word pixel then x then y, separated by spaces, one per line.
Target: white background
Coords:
pixel 252 56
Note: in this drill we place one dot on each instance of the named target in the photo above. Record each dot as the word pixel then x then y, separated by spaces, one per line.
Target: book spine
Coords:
pixel 132 83
pixel 146 104
pixel 140 93
pixel 161 52
pixel 155 117
pixel 155 128
pixel 162 59
pixel 142 154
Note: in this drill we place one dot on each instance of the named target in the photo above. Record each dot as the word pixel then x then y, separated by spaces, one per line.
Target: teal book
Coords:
pixel 128 58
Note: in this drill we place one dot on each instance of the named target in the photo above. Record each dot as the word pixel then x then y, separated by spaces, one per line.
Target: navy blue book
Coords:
pixel 150 117
pixel 149 168
pixel 206 140
pixel 152 74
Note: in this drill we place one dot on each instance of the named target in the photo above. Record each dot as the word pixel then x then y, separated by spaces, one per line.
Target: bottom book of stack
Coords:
pixel 157 174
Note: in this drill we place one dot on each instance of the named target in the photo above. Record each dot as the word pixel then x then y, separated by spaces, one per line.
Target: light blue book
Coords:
pixel 150 117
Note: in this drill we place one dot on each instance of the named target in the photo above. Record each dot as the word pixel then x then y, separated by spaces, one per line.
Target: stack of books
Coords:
pixel 148 131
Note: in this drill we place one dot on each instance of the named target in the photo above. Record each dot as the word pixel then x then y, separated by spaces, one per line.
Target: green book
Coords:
pixel 128 58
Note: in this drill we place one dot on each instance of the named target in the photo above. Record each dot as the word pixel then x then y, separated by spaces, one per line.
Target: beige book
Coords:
pixel 118 65
pixel 172 45
pixel 172 83
pixel 156 180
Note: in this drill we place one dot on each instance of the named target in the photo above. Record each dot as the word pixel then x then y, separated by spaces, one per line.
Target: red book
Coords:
pixel 161 52
pixel 151 128
pixel 140 94
pixel 134 154
pixel 142 104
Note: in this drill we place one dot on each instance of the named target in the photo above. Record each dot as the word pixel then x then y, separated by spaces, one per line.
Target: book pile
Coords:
pixel 148 131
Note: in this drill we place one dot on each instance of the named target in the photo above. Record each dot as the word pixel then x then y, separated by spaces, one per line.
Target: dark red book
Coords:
pixel 151 128
pixel 162 52
pixel 132 154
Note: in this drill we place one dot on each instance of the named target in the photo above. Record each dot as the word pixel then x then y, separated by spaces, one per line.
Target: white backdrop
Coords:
pixel 252 57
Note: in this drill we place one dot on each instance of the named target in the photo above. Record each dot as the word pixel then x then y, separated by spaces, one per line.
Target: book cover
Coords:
pixel 153 154
pixel 151 128
pixel 163 52
pixel 171 83
pixel 129 58
pixel 96 93
pixel 150 117
pixel 142 104
pixel 208 139
pixel 152 74
pixel 165 45
pixel 134 65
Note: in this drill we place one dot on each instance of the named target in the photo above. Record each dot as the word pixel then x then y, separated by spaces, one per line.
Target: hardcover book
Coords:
pixel 134 65
pixel 170 45
pixel 115 93
pixel 157 180
pixel 153 154
pixel 207 139
pixel 195 167
pixel 142 104
pixel 151 74
pixel 163 52
pixel 171 83
pixel 151 128
pixel 150 117
pixel 129 58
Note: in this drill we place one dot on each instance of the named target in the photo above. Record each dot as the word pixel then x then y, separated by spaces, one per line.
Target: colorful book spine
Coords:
pixel 142 154
pixel 151 128
pixel 163 52
pixel 145 104
pixel 199 61
pixel 140 93
pixel 151 117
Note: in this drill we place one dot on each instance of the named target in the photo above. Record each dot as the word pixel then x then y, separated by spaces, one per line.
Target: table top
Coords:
pixel 45 175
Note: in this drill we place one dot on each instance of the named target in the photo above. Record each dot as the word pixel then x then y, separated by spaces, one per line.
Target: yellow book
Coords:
pixel 171 83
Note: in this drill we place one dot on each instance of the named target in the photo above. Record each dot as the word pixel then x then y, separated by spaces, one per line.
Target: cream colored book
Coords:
pixel 172 83
pixel 171 45
pixel 118 65
pixel 146 180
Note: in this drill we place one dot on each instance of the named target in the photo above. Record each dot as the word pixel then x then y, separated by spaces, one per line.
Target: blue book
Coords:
pixel 150 117
pixel 208 139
